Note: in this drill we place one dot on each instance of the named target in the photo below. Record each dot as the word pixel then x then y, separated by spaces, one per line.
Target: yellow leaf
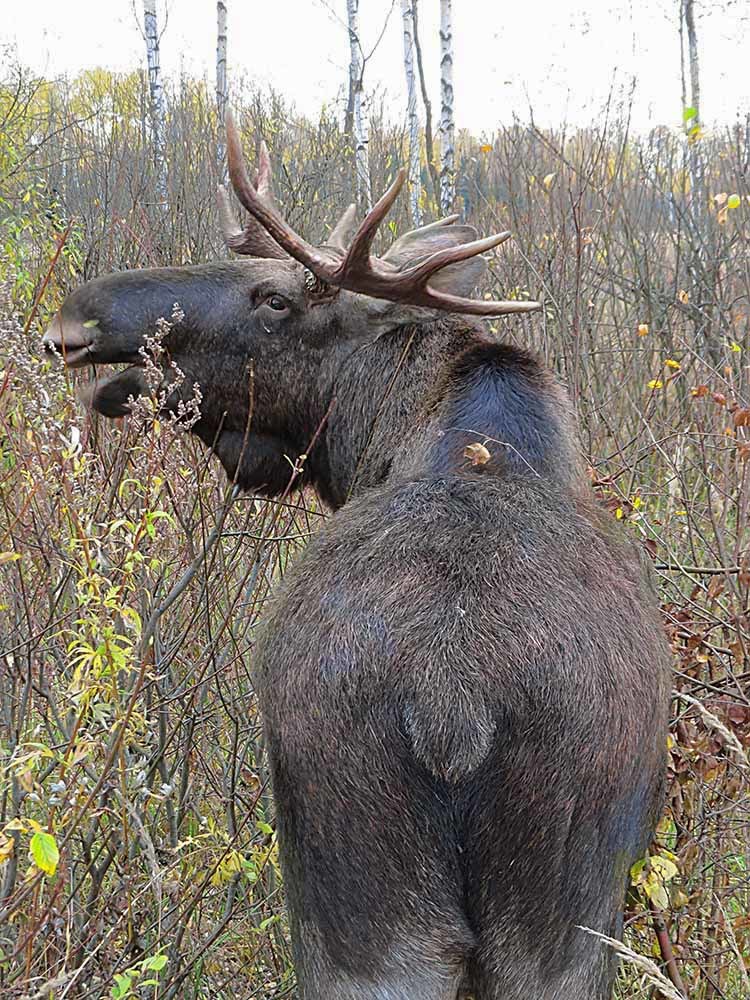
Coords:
pixel 734 346
pixel 477 453
pixel 653 874
pixel 7 845
pixel 643 330
pixel 671 363
pixel 733 201
pixel 683 296
pixel 485 148
pixel 548 179
pixel 656 383
pixel 44 852
pixel 229 867
pixel 6 557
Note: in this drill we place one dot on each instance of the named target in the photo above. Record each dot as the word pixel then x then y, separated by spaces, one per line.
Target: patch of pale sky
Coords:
pixel 562 58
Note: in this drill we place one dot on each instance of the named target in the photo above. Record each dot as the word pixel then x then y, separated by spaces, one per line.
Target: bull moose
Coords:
pixel 463 680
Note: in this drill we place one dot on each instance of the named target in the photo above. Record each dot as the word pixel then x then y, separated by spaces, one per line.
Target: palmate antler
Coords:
pixel 358 270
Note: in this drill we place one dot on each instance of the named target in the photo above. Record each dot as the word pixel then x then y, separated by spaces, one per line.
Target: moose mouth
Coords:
pixel 77 345
pixel 81 344
pixel 72 342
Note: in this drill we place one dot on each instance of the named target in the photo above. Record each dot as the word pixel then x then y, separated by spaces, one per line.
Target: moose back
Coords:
pixel 463 680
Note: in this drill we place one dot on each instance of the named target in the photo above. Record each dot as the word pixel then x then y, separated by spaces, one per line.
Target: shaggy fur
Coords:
pixel 463 680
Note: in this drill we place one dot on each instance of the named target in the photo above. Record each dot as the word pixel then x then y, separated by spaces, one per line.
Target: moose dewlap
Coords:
pixel 463 680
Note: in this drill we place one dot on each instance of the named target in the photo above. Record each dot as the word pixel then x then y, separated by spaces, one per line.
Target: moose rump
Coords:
pixel 454 737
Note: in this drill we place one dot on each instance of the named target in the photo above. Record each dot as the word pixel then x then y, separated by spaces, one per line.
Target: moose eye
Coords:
pixel 277 303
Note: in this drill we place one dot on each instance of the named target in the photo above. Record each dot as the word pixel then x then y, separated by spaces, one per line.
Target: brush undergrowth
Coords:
pixel 137 847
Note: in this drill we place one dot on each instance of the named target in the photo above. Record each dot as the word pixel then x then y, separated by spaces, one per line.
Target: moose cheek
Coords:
pixel 109 396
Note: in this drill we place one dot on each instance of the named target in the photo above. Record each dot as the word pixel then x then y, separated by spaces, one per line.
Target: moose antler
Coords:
pixel 358 270
pixel 253 240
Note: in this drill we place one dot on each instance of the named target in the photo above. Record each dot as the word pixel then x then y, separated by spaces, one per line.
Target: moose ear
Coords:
pixel 456 279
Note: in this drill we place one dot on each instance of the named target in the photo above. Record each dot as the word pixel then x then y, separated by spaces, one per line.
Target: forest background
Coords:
pixel 137 845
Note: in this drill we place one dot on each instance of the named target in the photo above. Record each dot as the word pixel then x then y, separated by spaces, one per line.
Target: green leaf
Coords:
pixel 688 113
pixel 44 852
pixel 91 323
pixel 122 986
pixel 156 963
pixel 733 201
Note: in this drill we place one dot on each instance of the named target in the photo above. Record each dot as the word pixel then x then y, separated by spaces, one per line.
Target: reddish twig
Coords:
pixel 667 954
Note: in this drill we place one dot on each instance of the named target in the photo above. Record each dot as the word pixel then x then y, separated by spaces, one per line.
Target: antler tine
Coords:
pixel 416 289
pixel 264 181
pixel 474 307
pixel 447 220
pixel 358 255
pixel 271 221
pixel 342 233
pixel 226 217
pixel 253 240
pixel 420 273
pixel 412 285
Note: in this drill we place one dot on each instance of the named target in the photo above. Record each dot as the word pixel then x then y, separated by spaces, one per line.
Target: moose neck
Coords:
pixel 412 403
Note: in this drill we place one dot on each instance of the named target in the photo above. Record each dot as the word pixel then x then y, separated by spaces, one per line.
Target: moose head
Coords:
pixel 277 341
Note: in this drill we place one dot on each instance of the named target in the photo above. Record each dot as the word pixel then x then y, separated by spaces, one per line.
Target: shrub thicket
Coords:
pixel 137 850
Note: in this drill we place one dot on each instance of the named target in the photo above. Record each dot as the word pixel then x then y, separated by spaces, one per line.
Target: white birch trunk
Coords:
pixel 360 123
pixel 407 14
pixel 698 192
pixel 222 95
pixel 447 126
pixel 156 94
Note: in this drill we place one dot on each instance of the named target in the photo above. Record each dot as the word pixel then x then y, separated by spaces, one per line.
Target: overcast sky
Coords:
pixel 560 56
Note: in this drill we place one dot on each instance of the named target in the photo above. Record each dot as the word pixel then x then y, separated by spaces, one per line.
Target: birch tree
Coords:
pixel 407 15
pixel 156 94
pixel 704 235
pixel 428 143
pixel 692 113
pixel 359 118
pixel 222 96
pixel 447 127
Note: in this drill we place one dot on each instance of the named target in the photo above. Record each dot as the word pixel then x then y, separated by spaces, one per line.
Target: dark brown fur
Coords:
pixel 464 681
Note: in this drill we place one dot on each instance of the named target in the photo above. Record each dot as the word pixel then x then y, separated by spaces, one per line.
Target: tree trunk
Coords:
pixel 695 86
pixel 359 122
pixel 428 141
pixel 447 127
pixel 694 124
pixel 415 180
pixel 703 237
pixel 156 95
pixel 222 95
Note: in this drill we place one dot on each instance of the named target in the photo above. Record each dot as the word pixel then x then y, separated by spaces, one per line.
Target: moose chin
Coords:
pixel 464 681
